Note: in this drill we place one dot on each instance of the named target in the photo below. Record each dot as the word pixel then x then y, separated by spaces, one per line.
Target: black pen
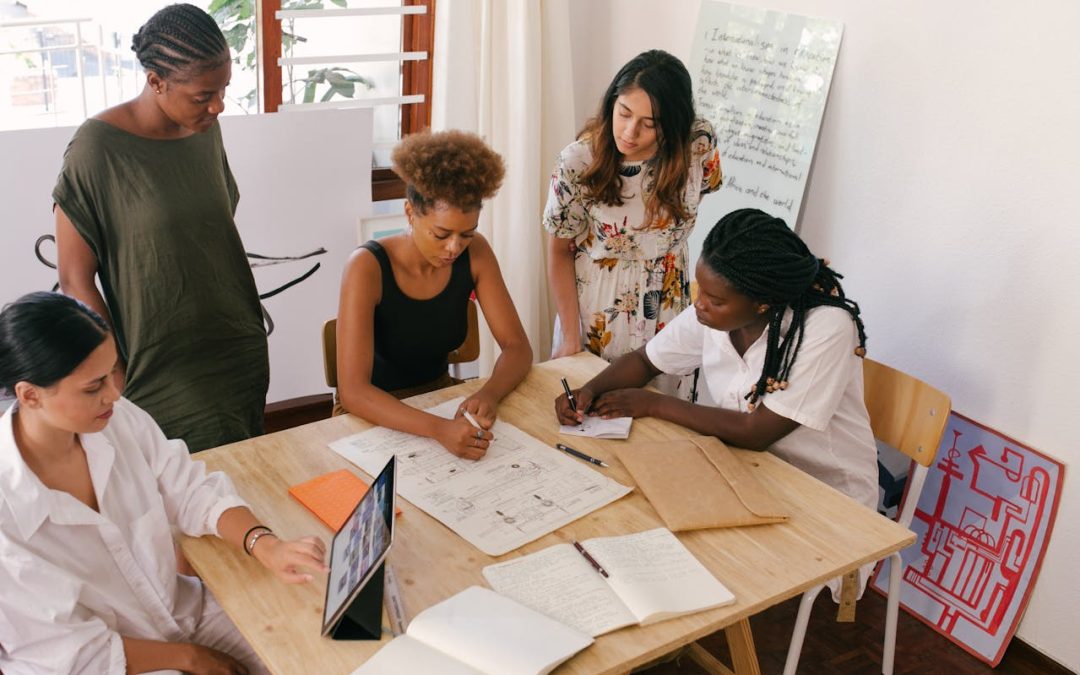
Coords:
pixel 569 395
pixel 579 454
pixel 592 560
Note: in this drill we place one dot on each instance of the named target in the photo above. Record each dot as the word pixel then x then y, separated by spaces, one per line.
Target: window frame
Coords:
pixel 418 34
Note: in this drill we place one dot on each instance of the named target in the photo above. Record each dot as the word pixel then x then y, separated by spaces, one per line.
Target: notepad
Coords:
pixel 331 496
pixel 651 577
pixel 477 632
pixel 598 427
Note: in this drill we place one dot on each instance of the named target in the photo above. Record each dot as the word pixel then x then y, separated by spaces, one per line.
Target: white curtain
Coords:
pixel 502 70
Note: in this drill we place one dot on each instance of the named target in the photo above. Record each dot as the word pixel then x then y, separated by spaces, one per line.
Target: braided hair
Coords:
pixel 763 259
pixel 178 37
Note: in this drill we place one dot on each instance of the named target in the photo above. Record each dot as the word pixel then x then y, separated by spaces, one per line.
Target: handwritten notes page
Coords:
pixel 598 427
pixel 475 632
pixel 520 491
pixel 762 78
pixel 651 577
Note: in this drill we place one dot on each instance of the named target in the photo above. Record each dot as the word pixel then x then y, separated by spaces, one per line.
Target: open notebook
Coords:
pixel 651 577
pixel 598 427
pixel 477 632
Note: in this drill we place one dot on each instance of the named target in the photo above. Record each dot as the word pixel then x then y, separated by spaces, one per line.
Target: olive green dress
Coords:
pixel 158 214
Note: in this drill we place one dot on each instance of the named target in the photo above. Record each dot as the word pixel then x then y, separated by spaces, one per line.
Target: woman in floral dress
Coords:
pixel 622 204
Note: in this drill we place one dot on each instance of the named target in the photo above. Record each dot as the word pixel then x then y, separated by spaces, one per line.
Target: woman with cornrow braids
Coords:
pixel 779 349
pixel 144 203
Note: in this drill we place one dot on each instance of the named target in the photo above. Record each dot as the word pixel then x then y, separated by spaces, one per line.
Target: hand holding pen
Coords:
pixel 464 436
pixel 571 405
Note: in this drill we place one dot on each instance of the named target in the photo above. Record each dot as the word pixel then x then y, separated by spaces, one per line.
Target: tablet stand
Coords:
pixel 363 619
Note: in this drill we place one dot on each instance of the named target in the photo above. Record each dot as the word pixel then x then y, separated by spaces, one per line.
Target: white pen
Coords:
pixel 394 609
pixel 472 421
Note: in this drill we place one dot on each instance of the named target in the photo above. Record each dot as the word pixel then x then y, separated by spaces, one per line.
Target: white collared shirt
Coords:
pixel 833 442
pixel 74 580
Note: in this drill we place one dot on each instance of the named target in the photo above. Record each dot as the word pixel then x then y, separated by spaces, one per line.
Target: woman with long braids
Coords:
pixel 622 204
pixel 145 204
pixel 779 349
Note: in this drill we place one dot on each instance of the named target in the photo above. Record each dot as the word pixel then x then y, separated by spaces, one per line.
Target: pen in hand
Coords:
pixel 569 395
pixel 592 560
pixel 472 421
pixel 580 455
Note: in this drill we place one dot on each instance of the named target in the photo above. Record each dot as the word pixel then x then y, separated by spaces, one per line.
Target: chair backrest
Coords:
pixel 329 352
pixel 905 412
pixel 468 351
pixel 470 348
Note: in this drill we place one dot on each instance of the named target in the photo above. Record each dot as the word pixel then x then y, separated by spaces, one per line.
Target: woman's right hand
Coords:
pixel 567 339
pixel 207 661
pixel 461 438
pixel 583 398
pixel 566 347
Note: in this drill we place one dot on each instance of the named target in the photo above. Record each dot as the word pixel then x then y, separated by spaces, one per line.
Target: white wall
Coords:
pixel 940 188
pixel 305 182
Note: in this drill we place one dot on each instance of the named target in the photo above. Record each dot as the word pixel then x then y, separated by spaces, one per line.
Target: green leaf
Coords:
pixel 340 3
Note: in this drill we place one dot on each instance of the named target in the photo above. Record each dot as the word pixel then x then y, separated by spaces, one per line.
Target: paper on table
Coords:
pixel 559 582
pixel 520 491
pixel 598 427
pixel 657 577
pixel 478 630
pixel 651 576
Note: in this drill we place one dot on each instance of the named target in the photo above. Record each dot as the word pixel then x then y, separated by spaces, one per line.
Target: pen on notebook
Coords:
pixel 592 560
pixel 569 395
pixel 579 454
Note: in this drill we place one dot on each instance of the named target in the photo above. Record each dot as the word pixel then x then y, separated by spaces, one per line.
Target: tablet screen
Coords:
pixel 360 546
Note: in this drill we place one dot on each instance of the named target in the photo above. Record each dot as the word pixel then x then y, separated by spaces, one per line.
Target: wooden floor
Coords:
pixel 833 648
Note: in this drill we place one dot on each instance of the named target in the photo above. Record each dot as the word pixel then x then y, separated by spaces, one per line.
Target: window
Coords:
pixel 309 56
pixel 64 60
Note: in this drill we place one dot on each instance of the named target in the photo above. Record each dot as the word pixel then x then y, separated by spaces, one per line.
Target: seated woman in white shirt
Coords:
pixel 90 489
pixel 779 349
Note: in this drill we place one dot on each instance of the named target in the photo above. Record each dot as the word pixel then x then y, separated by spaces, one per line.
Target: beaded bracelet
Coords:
pixel 254 539
pixel 244 541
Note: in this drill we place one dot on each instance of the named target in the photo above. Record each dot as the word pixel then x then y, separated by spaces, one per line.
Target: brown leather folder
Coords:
pixel 697 483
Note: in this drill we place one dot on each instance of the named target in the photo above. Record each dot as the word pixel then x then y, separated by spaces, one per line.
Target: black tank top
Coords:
pixel 413 337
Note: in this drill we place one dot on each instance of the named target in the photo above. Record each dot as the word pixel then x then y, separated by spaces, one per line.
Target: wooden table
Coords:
pixel 828 534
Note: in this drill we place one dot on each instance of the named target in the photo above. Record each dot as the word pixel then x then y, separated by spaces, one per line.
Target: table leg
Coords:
pixel 741 643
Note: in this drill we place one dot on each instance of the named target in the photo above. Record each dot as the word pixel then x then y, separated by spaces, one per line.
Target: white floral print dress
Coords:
pixel 632 278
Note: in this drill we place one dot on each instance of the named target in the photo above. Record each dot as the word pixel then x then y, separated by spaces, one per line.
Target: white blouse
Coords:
pixel 75 580
pixel 825 393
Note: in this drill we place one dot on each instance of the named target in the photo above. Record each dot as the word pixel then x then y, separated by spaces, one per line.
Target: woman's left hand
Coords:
pixel 481 407
pixel 624 403
pixel 287 559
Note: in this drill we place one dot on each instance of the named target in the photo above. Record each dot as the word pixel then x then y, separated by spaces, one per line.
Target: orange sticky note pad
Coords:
pixel 331 496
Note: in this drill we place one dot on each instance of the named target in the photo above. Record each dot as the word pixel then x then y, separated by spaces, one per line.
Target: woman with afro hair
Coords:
pixel 404 298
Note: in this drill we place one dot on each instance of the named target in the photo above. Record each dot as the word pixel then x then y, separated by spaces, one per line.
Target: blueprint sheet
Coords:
pixel 520 490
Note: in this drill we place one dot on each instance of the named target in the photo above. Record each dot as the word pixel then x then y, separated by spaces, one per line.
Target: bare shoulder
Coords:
pixel 363 264
pixel 481 255
pixel 362 279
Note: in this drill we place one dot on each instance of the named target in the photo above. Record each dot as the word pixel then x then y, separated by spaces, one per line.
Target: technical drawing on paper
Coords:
pixel 518 492
pixel 983 520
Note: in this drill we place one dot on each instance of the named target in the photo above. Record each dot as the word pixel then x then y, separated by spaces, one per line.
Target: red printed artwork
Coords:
pixel 983 522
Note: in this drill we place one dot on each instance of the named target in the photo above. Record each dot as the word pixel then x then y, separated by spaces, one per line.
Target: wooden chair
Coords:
pixel 909 415
pixel 468 351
